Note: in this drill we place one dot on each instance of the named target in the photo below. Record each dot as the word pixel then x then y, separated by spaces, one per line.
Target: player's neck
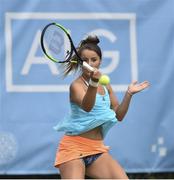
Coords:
pixel 85 77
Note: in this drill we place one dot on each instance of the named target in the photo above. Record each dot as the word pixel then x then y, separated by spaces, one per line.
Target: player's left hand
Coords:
pixel 135 87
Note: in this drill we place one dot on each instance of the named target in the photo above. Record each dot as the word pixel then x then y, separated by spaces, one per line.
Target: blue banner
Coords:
pixel 137 40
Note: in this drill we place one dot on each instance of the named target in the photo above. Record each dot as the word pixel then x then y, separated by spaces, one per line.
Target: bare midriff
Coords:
pixel 94 134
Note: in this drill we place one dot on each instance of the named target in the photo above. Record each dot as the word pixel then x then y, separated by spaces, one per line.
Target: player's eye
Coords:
pixel 93 59
pixel 85 59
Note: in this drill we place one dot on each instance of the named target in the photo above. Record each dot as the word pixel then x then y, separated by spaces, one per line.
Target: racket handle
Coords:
pixel 87 66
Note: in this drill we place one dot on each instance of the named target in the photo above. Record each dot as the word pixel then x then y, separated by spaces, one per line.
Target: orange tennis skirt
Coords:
pixel 75 147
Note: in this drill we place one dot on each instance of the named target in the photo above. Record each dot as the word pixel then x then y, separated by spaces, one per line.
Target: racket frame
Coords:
pixel 80 61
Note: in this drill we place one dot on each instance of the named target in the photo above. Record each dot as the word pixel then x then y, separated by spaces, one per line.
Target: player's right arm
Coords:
pixel 85 99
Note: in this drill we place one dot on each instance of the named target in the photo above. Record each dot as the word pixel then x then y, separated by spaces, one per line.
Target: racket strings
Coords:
pixel 57 45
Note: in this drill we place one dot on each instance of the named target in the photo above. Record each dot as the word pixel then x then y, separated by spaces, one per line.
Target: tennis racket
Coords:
pixel 58 46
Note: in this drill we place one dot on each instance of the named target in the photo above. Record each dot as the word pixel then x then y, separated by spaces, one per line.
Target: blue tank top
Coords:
pixel 79 121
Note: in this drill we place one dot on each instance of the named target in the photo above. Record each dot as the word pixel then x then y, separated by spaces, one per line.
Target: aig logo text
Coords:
pixel 27 70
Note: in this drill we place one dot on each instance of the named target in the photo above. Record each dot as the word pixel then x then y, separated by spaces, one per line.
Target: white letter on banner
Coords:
pixel 32 59
pixel 114 55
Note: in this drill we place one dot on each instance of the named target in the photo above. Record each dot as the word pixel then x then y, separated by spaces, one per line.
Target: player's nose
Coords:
pixel 89 62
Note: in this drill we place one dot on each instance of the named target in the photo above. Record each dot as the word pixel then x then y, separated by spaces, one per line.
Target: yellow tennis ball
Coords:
pixel 104 80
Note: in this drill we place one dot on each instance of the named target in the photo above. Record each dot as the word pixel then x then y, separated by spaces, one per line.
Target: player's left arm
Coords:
pixel 119 108
pixel 122 108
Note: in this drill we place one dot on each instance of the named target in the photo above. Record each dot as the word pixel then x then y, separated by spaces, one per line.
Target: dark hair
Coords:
pixel 90 43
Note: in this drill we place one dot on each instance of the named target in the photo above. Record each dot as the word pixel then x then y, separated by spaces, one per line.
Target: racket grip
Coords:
pixel 87 66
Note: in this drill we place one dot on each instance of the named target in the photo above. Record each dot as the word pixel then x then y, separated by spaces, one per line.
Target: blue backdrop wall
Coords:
pixel 137 40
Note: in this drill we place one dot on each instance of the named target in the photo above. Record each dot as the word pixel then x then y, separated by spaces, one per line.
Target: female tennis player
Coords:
pixel 94 110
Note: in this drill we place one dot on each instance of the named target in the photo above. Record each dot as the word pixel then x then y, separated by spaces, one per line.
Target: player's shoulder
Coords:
pixel 76 91
pixel 76 84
